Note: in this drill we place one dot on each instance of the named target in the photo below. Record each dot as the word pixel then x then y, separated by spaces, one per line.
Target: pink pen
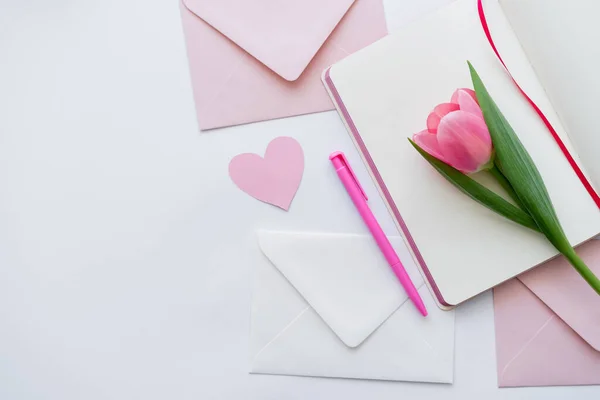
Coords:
pixel 359 198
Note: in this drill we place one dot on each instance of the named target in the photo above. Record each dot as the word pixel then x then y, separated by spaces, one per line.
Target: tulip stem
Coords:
pixel 583 269
pixel 496 173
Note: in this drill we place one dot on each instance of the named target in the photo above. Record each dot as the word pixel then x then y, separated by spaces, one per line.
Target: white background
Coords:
pixel 125 250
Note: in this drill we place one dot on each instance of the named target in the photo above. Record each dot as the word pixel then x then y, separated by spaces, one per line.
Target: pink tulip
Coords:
pixel 457 134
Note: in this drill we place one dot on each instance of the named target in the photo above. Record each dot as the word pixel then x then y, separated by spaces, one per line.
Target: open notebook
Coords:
pixel 385 92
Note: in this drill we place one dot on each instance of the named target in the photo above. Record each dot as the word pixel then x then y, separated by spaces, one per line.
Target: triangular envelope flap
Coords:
pixel 534 346
pixel 562 289
pixel 344 278
pixel 284 35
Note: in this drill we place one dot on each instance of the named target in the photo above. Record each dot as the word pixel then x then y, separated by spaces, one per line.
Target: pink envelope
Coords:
pixel 262 59
pixel 548 325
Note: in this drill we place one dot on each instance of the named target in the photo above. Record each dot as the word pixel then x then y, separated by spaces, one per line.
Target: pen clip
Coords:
pixel 344 161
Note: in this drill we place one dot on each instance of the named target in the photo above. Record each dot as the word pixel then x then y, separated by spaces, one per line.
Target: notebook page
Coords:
pixel 560 39
pixel 389 89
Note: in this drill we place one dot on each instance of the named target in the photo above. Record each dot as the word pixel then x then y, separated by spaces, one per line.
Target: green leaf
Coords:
pixel 478 192
pixel 516 165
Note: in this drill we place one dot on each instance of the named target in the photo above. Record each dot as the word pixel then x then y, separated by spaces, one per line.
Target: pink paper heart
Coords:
pixel 273 179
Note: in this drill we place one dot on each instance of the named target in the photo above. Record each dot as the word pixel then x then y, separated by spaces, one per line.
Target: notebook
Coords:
pixel 385 92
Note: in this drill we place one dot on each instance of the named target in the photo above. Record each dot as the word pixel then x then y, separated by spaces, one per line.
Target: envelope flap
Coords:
pixel 562 289
pixel 282 34
pixel 344 278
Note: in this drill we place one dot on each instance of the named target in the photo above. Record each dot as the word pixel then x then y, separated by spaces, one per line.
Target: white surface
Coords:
pixel 387 106
pixel 328 304
pixel 118 221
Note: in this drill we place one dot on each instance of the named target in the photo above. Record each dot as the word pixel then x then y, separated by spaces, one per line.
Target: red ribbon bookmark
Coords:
pixel 557 139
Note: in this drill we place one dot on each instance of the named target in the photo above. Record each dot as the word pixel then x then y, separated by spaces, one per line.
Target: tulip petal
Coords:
pixel 470 92
pixel 428 142
pixel 464 141
pixel 441 110
pixel 467 103
pixel 433 122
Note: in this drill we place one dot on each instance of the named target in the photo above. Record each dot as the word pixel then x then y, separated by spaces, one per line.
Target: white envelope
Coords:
pixel 328 305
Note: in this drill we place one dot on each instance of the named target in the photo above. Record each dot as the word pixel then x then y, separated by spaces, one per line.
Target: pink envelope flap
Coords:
pixel 534 347
pixel 564 291
pixel 282 34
